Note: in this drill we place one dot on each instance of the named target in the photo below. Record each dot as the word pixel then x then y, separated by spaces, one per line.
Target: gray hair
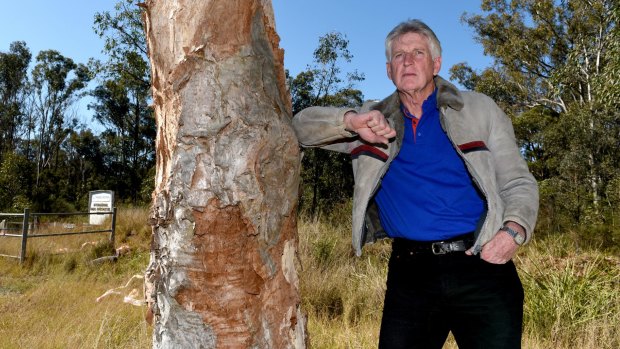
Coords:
pixel 413 26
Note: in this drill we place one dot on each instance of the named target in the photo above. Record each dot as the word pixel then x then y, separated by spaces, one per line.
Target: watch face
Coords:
pixel 519 239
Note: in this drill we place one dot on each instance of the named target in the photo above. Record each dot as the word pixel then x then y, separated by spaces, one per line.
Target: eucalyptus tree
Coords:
pixel 15 182
pixel 556 71
pixel 85 166
pixel 13 92
pixel 122 98
pixel 222 270
pixel 327 177
pixel 57 82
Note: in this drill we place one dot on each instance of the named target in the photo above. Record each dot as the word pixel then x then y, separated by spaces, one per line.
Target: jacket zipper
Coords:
pixel 470 169
pixel 374 191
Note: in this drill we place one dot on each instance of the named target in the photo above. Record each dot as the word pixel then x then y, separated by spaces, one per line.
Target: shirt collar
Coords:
pixel 428 106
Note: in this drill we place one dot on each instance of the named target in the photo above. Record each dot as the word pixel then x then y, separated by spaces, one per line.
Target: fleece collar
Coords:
pixel 447 96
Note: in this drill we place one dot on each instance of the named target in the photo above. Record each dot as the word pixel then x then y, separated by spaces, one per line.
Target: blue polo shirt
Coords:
pixel 427 193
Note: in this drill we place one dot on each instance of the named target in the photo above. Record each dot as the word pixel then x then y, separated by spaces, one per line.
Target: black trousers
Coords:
pixel 430 295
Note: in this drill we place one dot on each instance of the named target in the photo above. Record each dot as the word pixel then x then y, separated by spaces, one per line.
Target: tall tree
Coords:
pixel 222 266
pixel 327 177
pixel 84 170
pixel 57 82
pixel 557 69
pixel 13 90
pixel 122 98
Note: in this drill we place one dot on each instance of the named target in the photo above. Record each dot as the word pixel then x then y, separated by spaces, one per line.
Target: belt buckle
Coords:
pixel 437 248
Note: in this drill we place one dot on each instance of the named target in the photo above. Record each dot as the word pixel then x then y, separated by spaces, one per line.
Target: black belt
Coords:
pixel 460 243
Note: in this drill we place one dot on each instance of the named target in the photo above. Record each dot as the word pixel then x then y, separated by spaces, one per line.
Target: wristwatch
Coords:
pixel 519 239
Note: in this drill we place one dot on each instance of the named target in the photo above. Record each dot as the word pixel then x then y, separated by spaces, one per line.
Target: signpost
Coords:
pixel 100 201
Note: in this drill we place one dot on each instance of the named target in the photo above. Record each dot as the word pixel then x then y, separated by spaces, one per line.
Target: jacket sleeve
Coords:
pixel 518 188
pixel 323 127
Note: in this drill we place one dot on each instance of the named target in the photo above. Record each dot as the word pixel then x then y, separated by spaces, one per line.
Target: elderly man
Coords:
pixel 438 171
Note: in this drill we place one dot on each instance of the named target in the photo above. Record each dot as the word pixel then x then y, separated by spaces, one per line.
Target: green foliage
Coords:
pixel 13 91
pixel 555 73
pixel 327 177
pixel 20 202
pixel 535 145
pixel 86 168
pixel 14 182
pixel 122 100
pixel 122 30
pixel 57 83
pixel 52 161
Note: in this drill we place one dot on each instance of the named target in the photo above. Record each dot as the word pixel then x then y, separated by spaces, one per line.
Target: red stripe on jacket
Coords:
pixel 365 149
pixel 473 146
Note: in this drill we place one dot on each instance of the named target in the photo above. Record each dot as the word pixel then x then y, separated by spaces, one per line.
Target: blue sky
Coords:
pixel 366 23
pixel 66 26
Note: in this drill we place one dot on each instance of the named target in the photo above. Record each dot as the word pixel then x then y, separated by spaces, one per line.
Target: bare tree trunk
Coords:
pixel 222 271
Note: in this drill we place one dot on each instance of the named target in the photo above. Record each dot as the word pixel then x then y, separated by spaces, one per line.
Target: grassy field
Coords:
pixel 50 301
pixel 572 292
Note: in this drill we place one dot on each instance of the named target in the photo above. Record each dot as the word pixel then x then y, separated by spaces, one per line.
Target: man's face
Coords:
pixel 412 67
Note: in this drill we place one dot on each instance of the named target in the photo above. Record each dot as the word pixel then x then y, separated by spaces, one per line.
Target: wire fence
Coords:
pixel 28 225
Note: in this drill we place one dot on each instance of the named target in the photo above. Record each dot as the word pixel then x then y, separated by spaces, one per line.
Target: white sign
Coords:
pixel 100 201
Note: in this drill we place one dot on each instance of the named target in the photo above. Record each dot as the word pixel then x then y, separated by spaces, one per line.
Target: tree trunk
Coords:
pixel 222 271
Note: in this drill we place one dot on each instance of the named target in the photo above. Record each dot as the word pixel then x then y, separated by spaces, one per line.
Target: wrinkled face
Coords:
pixel 412 66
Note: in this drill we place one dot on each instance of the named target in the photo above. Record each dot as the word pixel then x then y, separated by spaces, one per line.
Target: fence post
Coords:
pixel 112 233
pixel 22 255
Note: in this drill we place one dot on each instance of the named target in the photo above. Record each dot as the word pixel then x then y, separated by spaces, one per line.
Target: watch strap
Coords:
pixel 519 239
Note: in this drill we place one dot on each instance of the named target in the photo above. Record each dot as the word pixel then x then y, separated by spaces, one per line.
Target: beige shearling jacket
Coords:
pixel 481 134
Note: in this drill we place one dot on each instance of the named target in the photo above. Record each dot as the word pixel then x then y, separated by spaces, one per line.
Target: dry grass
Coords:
pixel 63 314
pixel 341 293
pixel 54 309
pixel 572 295
pixel 50 301
pixel 131 225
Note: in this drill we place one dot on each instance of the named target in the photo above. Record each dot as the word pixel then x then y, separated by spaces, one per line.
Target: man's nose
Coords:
pixel 409 58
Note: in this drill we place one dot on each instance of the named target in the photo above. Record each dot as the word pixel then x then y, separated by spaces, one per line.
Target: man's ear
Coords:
pixel 388 68
pixel 436 65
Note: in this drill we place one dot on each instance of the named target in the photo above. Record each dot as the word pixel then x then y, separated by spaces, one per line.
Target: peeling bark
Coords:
pixel 222 271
